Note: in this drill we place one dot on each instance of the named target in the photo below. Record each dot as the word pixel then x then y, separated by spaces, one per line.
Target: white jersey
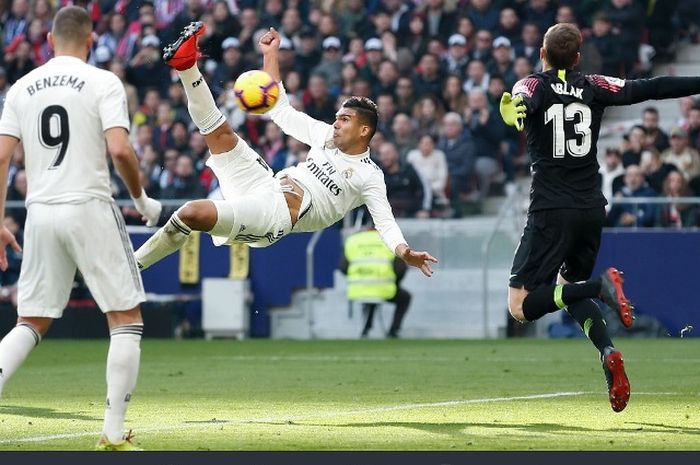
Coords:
pixel 337 182
pixel 60 112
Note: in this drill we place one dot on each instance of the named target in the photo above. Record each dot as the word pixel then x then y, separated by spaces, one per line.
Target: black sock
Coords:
pixel 574 292
pixel 588 316
pixel 548 299
pixel 539 302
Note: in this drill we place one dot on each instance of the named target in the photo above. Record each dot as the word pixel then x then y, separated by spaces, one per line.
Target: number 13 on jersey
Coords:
pixel 580 144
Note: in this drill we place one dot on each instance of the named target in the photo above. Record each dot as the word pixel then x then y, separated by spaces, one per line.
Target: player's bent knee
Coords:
pixel 40 325
pixel 199 215
pixel 125 317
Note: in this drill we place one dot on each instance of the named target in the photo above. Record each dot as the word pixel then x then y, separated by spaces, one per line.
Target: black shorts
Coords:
pixel 560 240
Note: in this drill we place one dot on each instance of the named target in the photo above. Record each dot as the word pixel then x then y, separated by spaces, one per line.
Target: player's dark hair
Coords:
pixel 71 24
pixel 366 111
pixel 562 43
pixel 651 110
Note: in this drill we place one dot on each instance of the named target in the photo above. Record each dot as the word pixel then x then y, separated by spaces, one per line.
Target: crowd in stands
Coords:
pixel 436 68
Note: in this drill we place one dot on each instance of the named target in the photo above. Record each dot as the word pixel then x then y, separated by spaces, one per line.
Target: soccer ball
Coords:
pixel 256 92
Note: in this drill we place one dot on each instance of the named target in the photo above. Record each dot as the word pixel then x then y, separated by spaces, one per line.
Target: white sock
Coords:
pixel 122 370
pixel 165 241
pixel 14 349
pixel 200 103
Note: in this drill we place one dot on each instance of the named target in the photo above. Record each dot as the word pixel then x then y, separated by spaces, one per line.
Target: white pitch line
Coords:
pixel 282 420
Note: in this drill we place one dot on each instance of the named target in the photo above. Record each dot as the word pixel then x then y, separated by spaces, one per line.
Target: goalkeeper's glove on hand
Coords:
pixel 513 111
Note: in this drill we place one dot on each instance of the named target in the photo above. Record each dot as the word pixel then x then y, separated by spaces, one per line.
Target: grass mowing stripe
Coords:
pixel 391 408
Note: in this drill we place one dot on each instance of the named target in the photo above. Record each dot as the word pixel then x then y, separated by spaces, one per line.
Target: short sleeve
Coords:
pixel 113 107
pixel 9 121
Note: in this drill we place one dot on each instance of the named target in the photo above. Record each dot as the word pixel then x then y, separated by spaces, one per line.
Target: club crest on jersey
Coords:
pixel 564 89
pixel 347 174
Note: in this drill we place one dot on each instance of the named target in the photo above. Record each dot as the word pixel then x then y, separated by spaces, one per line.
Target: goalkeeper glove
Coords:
pixel 513 111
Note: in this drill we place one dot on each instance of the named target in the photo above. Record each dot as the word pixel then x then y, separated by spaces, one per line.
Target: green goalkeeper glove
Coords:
pixel 513 111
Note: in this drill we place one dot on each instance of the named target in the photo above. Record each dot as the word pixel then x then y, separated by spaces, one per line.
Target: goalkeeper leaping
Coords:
pixel 259 207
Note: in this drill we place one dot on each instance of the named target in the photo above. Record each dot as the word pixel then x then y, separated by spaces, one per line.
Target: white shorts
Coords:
pixel 260 211
pixel 89 236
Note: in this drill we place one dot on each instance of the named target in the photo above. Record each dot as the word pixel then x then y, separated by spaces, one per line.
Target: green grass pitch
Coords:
pixel 361 395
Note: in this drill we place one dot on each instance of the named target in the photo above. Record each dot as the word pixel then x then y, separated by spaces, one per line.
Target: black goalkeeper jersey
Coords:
pixel 564 111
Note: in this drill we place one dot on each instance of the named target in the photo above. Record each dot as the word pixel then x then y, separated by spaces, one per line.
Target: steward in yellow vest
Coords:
pixel 373 274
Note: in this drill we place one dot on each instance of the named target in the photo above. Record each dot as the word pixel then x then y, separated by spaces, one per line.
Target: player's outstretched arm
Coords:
pixel 7 148
pixel 421 260
pixel 513 110
pixel 125 161
pixel 294 123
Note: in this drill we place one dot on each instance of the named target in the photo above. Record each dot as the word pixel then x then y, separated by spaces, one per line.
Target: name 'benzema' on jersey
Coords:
pixel 63 80
pixel 61 111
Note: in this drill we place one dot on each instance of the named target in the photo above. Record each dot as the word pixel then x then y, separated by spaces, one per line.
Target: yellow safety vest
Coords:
pixel 370 267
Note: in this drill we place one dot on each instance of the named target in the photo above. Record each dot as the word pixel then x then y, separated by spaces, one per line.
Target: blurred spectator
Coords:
pixel 404 187
pixel 416 40
pixel 374 54
pixel 192 12
pixel 477 77
pixel 634 145
pixel 694 127
pixel 176 97
pixel 348 75
pixel 483 14
pixel 400 14
pixel 43 10
pixel 439 22
pixel 540 12
pixel 430 163
pixel 676 215
pixel 387 77
pixel 143 139
pixel 225 25
pixel 502 61
pixel 428 80
pixel 318 102
pixel 147 112
pixel 565 14
pixel 405 95
pixel 685 158
pixel 180 135
pixel 272 11
pixel 167 173
pixel 509 26
pixel 166 10
pixel 427 115
pixel 19 61
pixel 487 132
pixel 117 39
pixel 466 28
pixel 684 106
pixel 17 23
pixel 353 19
pixel 147 70
pixel 387 109
pixel 231 65
pixel 529 46
pixel 162 132
pixel 656 135
pixel 454 96
pixel 460 154
pixel 307 54
pixel 633 214
pixel 628 23
pixel 4 87
pixel 403 134
pixel 18 192
pixel 331 64
pixel 456 60
pixel 482 49
pixel 607 45
pixel 612 174
pixel 185 184
pixel 273 147
pixel 36 36
pixel 250 23
pixel 292 24
pixel 655 169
